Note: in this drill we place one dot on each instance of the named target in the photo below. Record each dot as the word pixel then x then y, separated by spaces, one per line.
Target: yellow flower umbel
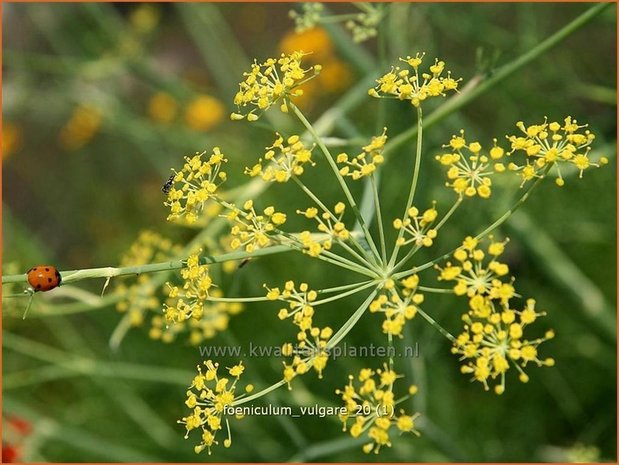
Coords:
pixel 469 174
pixel 208 397
pixel 274 81
pixel 478 274
pixel 415 87
pixel 367 161
pixel 417 227
pixel 195 291
pixel 310 350
pixel 371 405
pixel 215 319
pixel 399 306
pixel 283 160
pixel 552 144
pixel 493 341
pixel 252 231
pixel 328 223
pixel 199 180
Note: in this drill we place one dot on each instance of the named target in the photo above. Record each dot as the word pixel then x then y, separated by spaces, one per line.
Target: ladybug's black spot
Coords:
pixel 49 280
pixel 38 286
pixel 46 269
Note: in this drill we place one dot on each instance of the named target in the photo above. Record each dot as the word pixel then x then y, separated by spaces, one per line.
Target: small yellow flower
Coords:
pixel 492 342
pixel 275 81
pixel 370 405
pixel 478 274
pixel 199 181
pixel 552 144
pixel 469 175
pixel 283 160
pixel 208 397
pixel 204 112
pixel 330 224
pixel 367 161
pixel 398 305
pixel 415 87
pixel 189 302
pixel 418 227
pixel 251 231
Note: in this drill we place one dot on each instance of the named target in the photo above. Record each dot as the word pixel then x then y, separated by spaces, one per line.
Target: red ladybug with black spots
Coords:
pixel 44 278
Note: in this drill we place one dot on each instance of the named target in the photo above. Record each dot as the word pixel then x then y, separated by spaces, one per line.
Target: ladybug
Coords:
pixel 167 187
pixel 44 278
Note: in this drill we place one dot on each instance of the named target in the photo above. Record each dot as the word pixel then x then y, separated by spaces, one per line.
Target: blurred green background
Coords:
pixel 101 100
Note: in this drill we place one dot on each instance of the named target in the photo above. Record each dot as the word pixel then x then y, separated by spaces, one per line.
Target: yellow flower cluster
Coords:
pixel 404 85
pixel 371 402
pixel 252 231
pixel 189 302
pixel 285 164
pixel 208 397
pixel 275 80
pixel 475 278
pixel 552 144
pixel 199 180
pixel 418 227
pixel 367 161
pixel 328 223
pixel 215 319
pixel 469 175
pixel 398 309
pixel 310 350
pixel 493 341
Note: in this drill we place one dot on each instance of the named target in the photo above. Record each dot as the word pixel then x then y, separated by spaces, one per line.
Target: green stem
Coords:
pixel 111 272
pixel 340 179
pixel 366 258
pixel 344 294
pixel 438 226
pixel 436 326
pixel 488 230
pixel 379 220
pixel 411 193
pixel 350 323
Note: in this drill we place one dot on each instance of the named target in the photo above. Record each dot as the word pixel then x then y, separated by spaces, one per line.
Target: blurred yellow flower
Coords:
pixel 204 112
pixel 162 107
pixel 11 139
pixel 335 76
pixel 316 41
pixel 145 18
pixel 81 127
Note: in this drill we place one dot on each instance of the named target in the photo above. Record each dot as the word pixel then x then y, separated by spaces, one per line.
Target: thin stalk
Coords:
pixel 350 323
pixel 111 272
pixel 340 179
pixel 435 325
pixel 488 230
pixel 366 258
pixel 438 226
pixel 345 287
pixel 411 193
pixel 344 294
pixel 379 220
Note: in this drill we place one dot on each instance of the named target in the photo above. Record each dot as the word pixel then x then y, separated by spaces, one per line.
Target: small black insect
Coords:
pixel 168 185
